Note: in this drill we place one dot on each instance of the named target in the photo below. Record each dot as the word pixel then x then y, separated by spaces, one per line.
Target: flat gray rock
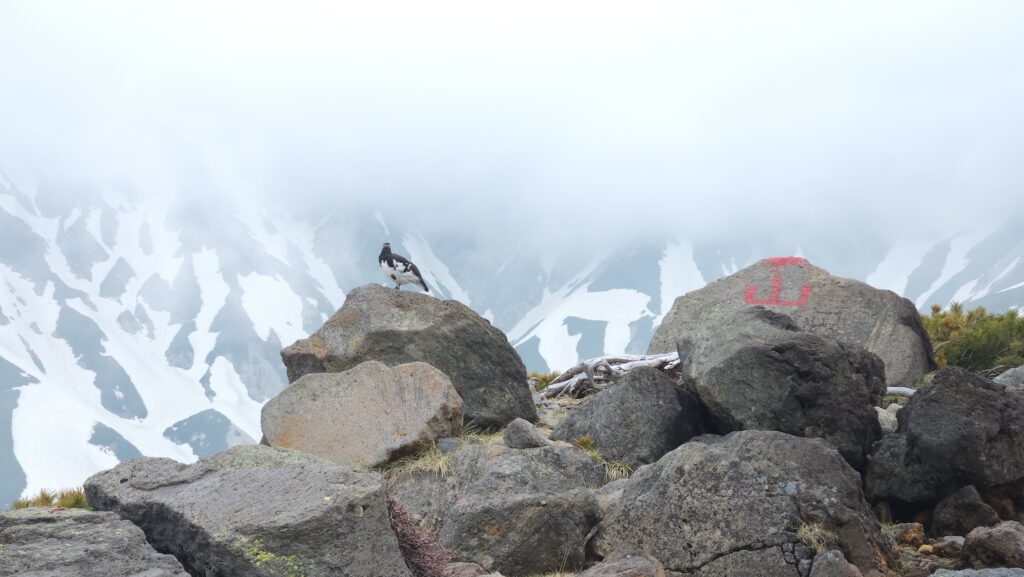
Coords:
pixel 365 416
pixel 254 511
pixel 396 327
pixel 54 542
pixel 881 321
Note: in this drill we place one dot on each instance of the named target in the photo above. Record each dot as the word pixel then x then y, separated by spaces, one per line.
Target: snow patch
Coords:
pixel 272 305
pixel 679 274
pixel 956 261
pixel 894 271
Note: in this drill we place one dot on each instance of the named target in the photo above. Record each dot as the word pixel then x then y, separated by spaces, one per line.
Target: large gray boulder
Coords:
pixel 759 370
pixel 396 327
pixel 842 309
pixel 732 506
pixel 958 430
pixel 637 420
pixel 364 416
pixel 522 511
pixel 54 542
pixel 516 511
pixel 254 511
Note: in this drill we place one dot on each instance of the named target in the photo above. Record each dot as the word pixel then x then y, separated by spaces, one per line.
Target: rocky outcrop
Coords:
pixel 961 512
pixel 758 370
pixel 366 415
pixel 254 511
pixel 999 546
pixel 521 511
pixel 958 430
pixel 733 505
pixel 521 434
pixel 846 310
pixel 52 542
pixel 396 327
pixel 636 421
pixel 516 511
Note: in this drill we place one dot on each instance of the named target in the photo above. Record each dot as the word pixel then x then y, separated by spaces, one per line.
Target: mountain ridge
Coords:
pixel 154 326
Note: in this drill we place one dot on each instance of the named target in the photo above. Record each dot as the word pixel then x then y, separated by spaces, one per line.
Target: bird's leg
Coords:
pixel 398 287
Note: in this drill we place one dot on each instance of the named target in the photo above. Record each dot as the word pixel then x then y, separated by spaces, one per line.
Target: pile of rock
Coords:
pixel 749 466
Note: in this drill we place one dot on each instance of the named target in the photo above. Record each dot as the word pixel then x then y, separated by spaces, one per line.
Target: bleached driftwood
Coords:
pixel 901 391
pixel 595 374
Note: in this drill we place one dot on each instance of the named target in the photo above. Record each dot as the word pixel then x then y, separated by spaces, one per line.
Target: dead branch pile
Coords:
pixel 593 375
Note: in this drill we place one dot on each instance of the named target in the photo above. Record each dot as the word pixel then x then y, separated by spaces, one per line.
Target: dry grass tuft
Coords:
pixel 613 470
pixel 477 436
pixel 815 536
pixel 431 460
pixel 66 498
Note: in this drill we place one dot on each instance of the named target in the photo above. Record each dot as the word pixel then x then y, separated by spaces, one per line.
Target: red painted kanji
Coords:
pixel 773 299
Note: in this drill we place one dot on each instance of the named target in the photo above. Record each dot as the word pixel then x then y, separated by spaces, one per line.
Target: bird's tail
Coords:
pixel 423 284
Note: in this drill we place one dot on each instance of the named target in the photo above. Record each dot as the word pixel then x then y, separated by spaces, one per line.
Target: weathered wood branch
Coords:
pixel 901 391
pixel 593 375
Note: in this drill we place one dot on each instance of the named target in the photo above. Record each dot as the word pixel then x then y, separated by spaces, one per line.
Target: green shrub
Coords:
pixel 975 339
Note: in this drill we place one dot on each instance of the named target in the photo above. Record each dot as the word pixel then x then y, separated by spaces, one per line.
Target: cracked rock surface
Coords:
pixel 55 542
pixel 255 511
pixel 732 505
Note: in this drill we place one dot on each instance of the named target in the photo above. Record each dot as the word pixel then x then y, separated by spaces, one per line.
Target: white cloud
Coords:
pixel 590 121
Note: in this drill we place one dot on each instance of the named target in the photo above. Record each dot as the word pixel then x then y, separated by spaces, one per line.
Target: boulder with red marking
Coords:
pixel 842 309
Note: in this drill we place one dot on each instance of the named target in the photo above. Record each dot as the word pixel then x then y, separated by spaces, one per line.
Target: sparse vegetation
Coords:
pixel 891 529
pixel 816 536
pixel 542 379
pixel 66 498
pixel 975 339
pixel 613 470
pixel 471 434
pixel 253 552
pixel 431 460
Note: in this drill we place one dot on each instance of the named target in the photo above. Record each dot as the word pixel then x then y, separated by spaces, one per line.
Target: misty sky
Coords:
pixel 578 120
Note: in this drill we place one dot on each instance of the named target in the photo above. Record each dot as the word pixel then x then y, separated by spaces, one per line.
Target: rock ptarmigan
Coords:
pixel 399 269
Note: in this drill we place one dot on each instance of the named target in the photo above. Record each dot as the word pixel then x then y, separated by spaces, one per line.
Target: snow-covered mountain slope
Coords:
pixel 136 326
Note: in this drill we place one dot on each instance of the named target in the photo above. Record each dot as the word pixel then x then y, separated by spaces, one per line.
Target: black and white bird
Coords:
pixel 399 269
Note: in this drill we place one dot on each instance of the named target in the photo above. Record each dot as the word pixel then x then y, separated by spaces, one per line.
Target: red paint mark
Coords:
pixel 777 263
pixel 780 260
